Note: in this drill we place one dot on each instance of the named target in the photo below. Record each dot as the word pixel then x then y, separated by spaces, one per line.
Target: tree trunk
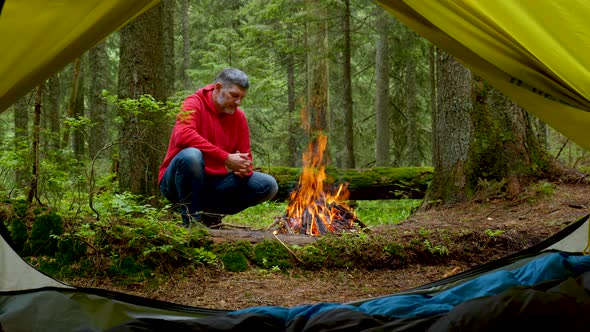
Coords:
pixel 453 132
pixel 294 132
pixel 168 22
pixel 412 133
pixel 144 134
pixel 506 149
pixel 186 47
pixel 432 94
pixel 78 112
pixel 382 109
pixel 21 137
pixel 347 106
pixel 70 113
pixel 36 129
pixel 317 107
pixel 542 133
pixel 52 113
pixel 98 111
pixel 484 142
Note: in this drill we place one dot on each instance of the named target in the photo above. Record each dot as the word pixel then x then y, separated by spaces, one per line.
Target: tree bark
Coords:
pixel 70 113
pixel 294 132
pixel 432 91
pixel 186 48
pixel 347 103
pixel 21 137
pixel 368 184
pixel 144 134
pixel 98 111
pixel 256 236
pixel 78 112
pixel 484 143
pixel 33 193
pixel 168 22
pixel 317 54
pixel 412 134
pixel 52 112
pixel 382 109
pixel 453 132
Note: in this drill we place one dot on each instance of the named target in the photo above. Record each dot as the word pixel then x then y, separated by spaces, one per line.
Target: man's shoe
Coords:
pixel 211 220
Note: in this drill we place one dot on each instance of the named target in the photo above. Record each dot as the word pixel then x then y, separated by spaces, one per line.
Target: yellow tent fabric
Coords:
pixel 534 51
pixel 40 37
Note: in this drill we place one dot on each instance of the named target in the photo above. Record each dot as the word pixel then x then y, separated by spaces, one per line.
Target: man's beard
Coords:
pixel 221 101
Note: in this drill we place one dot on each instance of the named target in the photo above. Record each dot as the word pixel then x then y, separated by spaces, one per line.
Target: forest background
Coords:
pixel 87 143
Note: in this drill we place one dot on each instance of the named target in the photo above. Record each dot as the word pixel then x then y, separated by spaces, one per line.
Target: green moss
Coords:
pixel 44 228
pixel 129 265
pixel 312 257
pixel 403 179
pixel 128 270
pixel 243 247
pixel 20 207
pixel 49 266
pixel 234 261
pixel 19 234
pixel 270 254
pixel 394 250
pixel 70 250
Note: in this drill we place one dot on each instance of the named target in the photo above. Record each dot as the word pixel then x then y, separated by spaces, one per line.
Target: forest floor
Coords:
pixel 522 222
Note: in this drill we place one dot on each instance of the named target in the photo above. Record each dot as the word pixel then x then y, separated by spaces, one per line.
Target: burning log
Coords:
pixel 340 220
pixel 311 210
pixel 345 214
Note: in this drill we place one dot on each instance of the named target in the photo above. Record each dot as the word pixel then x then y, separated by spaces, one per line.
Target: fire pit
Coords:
pixel 313 210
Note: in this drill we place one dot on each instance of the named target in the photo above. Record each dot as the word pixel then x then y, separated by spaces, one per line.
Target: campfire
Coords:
pixel 313 210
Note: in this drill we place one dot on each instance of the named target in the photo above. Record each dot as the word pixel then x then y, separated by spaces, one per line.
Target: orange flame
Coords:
pixel 310 202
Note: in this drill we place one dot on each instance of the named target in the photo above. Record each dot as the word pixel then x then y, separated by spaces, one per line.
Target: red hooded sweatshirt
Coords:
pixel 216 134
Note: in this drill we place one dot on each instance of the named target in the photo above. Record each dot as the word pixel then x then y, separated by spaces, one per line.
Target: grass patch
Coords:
pixel 258 216
pixel 385 212
pixel 371 213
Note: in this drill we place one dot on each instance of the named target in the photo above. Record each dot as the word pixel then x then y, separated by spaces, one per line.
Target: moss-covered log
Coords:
pixel 367 184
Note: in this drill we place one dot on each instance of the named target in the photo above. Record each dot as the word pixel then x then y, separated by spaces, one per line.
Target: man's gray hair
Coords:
pixel 233 76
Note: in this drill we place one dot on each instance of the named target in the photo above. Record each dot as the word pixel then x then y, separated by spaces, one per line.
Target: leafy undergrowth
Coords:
pixel 159 259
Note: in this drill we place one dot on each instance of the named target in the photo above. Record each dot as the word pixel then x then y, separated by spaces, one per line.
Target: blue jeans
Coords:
pixel 186 183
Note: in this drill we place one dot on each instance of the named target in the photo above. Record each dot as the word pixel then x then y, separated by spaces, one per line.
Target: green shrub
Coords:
pixel 394 250
pixel 311 256
pixel 70 250
pixel 243 247
pixel 271 254
pixel 19 234
pixel 20 207
pixel 234 261
pixel 46 228
pixel 128 270
pixel 49 266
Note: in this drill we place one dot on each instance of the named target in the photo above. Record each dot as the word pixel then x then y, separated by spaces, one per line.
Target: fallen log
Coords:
pixel 366 184
pixel 255 236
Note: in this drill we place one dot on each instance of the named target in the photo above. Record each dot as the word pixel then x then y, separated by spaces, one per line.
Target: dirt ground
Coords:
pixel 528 219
